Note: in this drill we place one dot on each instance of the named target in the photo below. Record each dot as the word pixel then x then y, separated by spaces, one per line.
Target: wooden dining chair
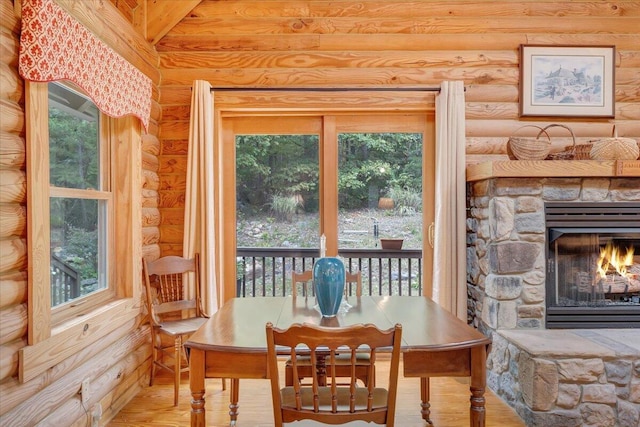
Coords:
pixel 354 278
pixel 364 371
pixel 334 403
pixel 167 303
pixel 303 277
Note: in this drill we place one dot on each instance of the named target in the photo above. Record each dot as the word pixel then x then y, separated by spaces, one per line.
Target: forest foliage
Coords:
pixel 270 168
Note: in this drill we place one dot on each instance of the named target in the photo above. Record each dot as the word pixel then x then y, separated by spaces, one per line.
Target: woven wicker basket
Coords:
pixel 527 148
pixel 583 151
pixel 615 148
pixel 569 152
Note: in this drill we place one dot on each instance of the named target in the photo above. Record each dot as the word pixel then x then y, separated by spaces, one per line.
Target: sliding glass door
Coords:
pixel 354 178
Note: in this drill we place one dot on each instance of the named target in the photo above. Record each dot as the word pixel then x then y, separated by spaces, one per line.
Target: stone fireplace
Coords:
pixel 566 345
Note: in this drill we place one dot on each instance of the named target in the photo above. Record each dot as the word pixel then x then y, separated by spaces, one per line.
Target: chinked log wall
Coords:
pixel 386 43
pixel 118 364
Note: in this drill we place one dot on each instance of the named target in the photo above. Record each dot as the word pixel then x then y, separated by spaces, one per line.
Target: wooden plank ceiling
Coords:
pixel 154 18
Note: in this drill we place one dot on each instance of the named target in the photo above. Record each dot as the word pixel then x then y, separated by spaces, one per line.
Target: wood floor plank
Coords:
pixel 449 404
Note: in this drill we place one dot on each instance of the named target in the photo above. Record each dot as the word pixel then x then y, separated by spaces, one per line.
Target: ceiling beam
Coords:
pixel 163 15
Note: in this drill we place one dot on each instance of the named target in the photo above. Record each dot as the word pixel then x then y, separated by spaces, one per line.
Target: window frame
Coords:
pixel 50 339
pixel 334 117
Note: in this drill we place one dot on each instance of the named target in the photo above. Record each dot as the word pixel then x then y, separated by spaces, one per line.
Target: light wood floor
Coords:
pixel 153 406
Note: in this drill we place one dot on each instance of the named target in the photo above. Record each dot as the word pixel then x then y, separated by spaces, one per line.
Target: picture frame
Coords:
pixel 567 81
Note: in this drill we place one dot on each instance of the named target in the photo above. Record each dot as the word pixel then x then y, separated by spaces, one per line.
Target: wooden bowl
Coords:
pixel 391 243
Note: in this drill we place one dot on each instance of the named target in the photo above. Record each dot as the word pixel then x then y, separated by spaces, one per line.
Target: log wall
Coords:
pixel 383 43
pixel 118 364
pixel 375 43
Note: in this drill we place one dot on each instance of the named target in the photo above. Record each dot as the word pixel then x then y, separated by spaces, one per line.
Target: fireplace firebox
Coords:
pixel 593 265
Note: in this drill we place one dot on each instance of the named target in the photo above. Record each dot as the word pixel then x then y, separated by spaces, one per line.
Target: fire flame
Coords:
pixel 614 257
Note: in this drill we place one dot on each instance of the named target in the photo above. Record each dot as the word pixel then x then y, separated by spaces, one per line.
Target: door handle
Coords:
pixel 431 233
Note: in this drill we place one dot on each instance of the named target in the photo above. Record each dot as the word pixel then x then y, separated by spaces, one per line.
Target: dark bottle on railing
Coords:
pixel 376 231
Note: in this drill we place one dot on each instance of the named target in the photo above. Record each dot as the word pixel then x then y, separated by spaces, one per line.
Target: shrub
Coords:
pixel 285 206
pixel 406 201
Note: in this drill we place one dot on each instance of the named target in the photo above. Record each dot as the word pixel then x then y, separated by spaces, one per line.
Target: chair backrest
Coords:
pixel 335 403
pixel 165 281
pixel 354 278
pixel 303 277
pixel 307 276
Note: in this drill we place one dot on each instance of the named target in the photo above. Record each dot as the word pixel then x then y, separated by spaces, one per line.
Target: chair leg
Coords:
pixel 154 358
pixel 224 384
pixel 177 362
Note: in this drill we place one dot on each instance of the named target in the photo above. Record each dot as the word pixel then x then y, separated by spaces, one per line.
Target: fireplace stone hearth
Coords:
pixel 551 377
pixel 568 377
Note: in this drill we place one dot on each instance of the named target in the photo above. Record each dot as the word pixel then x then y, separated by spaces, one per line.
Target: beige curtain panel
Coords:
pixel 449 270
pixel 199 225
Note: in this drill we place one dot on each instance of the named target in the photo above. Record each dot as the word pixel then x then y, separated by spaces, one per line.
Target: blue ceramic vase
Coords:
pixel 328 281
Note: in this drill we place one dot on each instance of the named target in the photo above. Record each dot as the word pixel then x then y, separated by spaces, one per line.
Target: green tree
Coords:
pixel 375 163
pixel 268 165
pixel 285 165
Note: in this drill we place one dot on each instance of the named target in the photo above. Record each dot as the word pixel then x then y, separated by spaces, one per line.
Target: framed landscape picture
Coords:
pixel 567 81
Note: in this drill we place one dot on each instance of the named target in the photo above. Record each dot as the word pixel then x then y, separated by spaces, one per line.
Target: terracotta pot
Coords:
pixel 385 203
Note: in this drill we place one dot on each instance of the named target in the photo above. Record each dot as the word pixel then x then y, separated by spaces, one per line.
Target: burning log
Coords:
pixel 615 284
pixel 617 270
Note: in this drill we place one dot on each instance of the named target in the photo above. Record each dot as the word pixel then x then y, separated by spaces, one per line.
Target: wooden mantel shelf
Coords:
pixel 553 168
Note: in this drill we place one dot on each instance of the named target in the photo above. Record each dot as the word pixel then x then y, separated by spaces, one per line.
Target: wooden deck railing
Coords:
pixel 267 271
pixel 65 282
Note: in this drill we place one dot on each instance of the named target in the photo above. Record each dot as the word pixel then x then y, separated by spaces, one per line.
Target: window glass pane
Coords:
pixel 277 191
pixel 77 248
pixel 78 233
pixel 277 205
pixel 380 197
pixel 73 139
pixel 379 189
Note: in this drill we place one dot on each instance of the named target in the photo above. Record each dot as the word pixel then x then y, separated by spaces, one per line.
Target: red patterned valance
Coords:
pixel 54 46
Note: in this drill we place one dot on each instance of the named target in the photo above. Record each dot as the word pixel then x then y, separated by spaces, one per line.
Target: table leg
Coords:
pixel 196 384
pixel 424 396
pixel 234 396
pixel 478 381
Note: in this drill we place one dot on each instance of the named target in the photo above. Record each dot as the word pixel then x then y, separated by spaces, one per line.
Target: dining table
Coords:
pixel 232 344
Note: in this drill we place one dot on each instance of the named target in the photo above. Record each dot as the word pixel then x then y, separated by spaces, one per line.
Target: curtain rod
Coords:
pixel 330 89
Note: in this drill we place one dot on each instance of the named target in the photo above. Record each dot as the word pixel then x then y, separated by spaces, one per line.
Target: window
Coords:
pixel 84 214
pixel 80 201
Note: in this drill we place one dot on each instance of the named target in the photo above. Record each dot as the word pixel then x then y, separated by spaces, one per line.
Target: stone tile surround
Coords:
pixel 581 377
pixel 568 378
